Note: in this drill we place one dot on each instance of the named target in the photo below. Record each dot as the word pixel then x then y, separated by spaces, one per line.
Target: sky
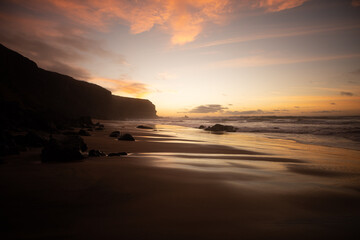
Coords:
pixel 200 58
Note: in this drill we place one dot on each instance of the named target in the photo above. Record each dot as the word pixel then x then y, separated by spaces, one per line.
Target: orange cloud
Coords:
pixel 184 20
pixel 122 87
pixel 188 18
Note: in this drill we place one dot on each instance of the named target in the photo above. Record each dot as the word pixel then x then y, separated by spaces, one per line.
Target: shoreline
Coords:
pixel 176 190
pixel 294 128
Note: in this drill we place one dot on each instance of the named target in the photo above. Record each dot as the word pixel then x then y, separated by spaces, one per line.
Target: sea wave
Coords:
pixel 329 131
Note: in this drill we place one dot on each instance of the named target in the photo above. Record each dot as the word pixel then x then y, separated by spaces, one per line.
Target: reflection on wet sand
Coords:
pixel 282 164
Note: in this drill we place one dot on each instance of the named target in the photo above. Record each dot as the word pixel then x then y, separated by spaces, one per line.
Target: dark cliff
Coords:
pixel 25 86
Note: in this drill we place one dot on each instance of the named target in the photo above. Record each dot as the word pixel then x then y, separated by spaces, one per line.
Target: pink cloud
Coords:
pixel 184 20
pixel 278 5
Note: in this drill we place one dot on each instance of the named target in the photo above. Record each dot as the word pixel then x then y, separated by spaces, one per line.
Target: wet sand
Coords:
pixel 176 188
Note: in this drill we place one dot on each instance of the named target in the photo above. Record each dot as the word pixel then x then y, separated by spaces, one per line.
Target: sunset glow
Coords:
pixel 200 58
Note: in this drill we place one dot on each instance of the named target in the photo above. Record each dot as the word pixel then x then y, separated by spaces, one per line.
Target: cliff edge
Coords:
pixel 24 87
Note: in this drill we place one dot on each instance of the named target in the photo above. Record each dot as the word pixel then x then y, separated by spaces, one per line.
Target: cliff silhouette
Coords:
pixel 26 89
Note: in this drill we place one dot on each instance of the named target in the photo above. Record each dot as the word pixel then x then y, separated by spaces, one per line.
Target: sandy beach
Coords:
pixel 172 187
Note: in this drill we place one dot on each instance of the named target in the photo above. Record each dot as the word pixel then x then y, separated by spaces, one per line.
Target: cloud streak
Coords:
pixel 326 111
pixel 349 94
pixel 259 61
pixel 217 108
pixel 123 86
pixel 356 72
pixel 278 5
pixel 273 35
pixel 210 108
pixel 249 112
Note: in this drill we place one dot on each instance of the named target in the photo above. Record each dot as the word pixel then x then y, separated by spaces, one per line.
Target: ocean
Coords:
pixel 339 132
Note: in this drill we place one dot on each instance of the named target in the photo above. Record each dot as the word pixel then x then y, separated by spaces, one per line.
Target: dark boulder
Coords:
pixel 144 127
pixel 117 154
pixel 221 128
pixel 75 141
pixel 99 128
pixel 115 134
pixel 202 127
pixel 8 145
pixel 126 137
pixel 83 132
pixel 63 149
pixel 96 153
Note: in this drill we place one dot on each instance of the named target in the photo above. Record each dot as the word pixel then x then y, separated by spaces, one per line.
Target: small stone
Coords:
pixel 144 127
pixel 126 137
pixel 117 154
pixel 96 153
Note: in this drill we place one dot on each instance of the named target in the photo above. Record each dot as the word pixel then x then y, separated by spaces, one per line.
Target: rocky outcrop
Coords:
pixel 131 108
pixel 221 128
pixel 64 149
pixel 10 144
pixel 96 153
